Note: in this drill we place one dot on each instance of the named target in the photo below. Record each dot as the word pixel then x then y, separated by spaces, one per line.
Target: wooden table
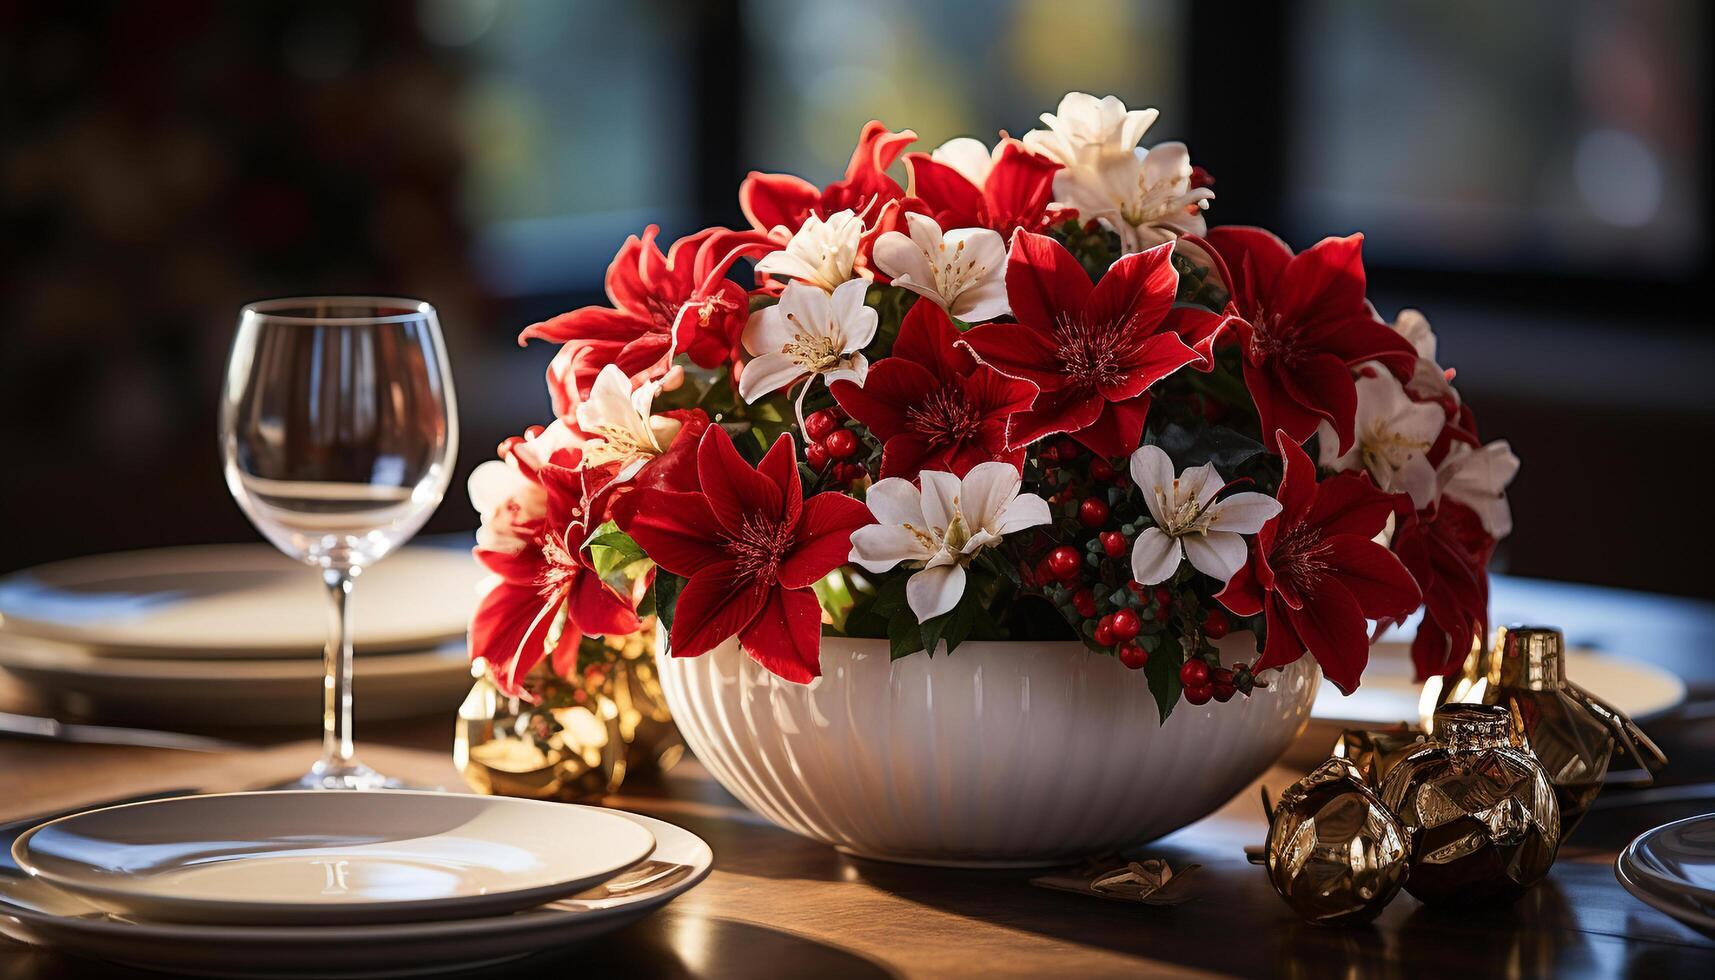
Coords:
pixel 781 906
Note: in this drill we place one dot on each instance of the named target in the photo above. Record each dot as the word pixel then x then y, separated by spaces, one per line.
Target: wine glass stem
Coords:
pixel 336 683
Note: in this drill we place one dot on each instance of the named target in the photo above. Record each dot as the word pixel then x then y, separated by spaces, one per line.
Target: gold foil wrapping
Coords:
pixel 1480 814
pixel 1334 852
pixel 1374 752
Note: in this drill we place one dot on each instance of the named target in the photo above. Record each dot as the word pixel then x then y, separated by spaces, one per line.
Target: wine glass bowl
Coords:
pixel 338 432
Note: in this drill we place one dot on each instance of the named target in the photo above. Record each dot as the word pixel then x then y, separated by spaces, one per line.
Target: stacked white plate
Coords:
pixel 1672 869
pixel 233 635
pixel 339 883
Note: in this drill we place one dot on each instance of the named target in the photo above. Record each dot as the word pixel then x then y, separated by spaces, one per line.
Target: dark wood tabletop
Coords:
pixel 778 905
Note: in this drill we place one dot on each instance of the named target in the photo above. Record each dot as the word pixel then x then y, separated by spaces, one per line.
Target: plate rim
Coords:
pixel 247 556
pixel 1688 917
pixel 1641 867
pixel 495 902
pixel 521 923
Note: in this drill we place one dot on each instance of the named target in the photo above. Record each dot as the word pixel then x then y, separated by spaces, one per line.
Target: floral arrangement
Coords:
pixel 1027 380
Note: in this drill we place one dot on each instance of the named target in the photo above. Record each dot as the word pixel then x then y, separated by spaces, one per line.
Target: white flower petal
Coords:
pixel 766 373
pixel 986 490
pixel 935 591
pixel 1217 554
pixel 859 327
pixel 1200 484
pixel 492 484
pixel 901 258
pixel 766 331
pixel 1243 513
pixel 1152 471
pixel 1154 557
pixel 940 497
pixel 896 501
pixel 968 156
pixel 985 301
pixel 1025 510
pixel 879 547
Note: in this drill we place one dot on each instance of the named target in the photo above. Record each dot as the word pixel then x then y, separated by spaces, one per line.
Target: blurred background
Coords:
pixel 1531 174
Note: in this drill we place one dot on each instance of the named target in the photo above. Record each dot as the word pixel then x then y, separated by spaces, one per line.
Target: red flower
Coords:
pixel 930 402
pixel 511 623
pixel 1091 350
pixel 1014 194
pixel 751 546
pixel 1318 575
pixel 650 292
pixel 1447 552
pixel 774 201
pixel 1303 323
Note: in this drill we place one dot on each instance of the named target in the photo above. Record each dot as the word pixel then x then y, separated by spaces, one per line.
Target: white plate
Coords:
pixel 225 601
pixel 1674 906
pixel 317 858
pixel 37 913
pixel 232 693
pixel 1389 695
pixel 1676 859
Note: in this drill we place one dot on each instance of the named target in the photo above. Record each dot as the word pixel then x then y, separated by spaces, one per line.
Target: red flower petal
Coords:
pixel 1334 632
pixel 595 609
pixel 732 488
pixel 588 323
pixel 1118 431
pixel 1283 644
pixel 676 529
pixel 1320 384
pixel 894 386
pixel 945 191
pixel 1277 409
pixel 1348 503
pixel 1017 351
pixel 786 636
pixel 1018 188
pixel 1328 275
pixel 824 539
pixel 1051 413
pixel 1255 259
pixel 772 200
pixel 780 466
pixel 1243 594
pixel 1297 490
pixel 1135 293
pixel 928 337
pixel 716 603
pixel 508 631
pixel 1373 575
pixel 1043 282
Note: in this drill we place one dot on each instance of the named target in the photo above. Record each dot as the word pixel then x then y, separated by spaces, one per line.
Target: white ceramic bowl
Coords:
pixel 1004 753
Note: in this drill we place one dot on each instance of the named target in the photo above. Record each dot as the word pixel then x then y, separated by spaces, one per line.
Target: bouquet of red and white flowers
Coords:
pixel 1027 394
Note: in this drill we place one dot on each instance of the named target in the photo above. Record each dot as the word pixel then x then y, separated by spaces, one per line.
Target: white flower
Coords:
pixel 1145 197
pixel 1429 381
pixel 1190 522
pixel 942 527
pixel 620 424
pixel 506 497
pixel 1478 479
pixel 962 271
pixel 969 157
pixel 821 253
pixel 1391 438
pixel 807 333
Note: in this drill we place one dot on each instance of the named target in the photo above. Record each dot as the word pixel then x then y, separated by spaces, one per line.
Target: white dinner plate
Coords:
pixel 1389 695
pixel 34 912
pixel 243 600
pixel 1677 859
pixel 1673 905
pixel 232 693
pixel 318 858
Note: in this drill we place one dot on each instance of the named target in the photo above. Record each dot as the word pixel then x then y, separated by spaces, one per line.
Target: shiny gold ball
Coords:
pixel 1334 851
pixel 1479 812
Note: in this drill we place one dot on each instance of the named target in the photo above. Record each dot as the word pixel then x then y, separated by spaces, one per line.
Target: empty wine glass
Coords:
pixel 338 429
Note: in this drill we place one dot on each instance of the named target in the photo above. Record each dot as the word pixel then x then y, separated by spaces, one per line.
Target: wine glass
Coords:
pixel 338 430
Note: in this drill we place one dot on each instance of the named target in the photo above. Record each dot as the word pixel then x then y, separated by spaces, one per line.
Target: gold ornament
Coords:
pixel 1479 812
pixel 1572 733
pixel 1376 752
pixel 580 736
pixel 1334 852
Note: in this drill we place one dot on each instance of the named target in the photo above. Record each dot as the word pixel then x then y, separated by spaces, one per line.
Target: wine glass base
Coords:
pixel 332 775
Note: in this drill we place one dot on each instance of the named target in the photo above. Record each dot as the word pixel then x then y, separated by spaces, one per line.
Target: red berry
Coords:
pixel 1048 455
pixel 1063 562
pixel 819 424
pixel 1105 632
pixel 1138 589
pixel 1101 469
pixel 1084 601
pixel 1164 597
pixel 1221 679
pixel 850 471
pixel 1133 656
pixel 1126 624
pixel 1092 512
pixel 1068 448
pixel 1194 672
pixel 1214 625
pixel 815 455
pixel 1113 543
pixel 1199 694
pixel 841 443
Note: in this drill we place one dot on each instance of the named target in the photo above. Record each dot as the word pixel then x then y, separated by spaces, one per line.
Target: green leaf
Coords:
pixel 1163 674
pixel 1193 446
pixel 903 636
pixel 835 595
pixel 667 589
pixel 612 551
